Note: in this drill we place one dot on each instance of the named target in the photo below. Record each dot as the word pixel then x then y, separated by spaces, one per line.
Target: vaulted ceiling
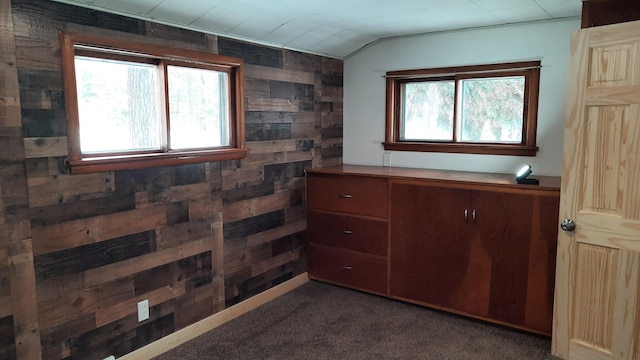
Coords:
pixel 334 28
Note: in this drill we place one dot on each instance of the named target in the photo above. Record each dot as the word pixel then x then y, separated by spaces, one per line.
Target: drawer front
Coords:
pixel 349 194
pixel 347 232
pixel 352 269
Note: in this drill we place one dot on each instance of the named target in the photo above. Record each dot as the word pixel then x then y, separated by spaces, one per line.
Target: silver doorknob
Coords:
pixel 568 225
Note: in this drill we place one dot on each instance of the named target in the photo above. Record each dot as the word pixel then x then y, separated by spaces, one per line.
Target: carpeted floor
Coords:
pixel 321 321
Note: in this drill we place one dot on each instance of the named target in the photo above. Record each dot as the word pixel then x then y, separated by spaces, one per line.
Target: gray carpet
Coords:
pixel 321 321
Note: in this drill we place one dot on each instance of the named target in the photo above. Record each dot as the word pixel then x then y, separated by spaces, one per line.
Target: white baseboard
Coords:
pixel 183 335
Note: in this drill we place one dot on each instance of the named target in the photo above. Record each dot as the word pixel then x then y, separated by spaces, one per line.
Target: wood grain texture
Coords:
pixel 19 328
pixel 251 53
pixel 104 241
pixel 349 195
pixel 477 248
pixel 605 12
pixel 255 206
pixel 597 265
pixel 473 180
pixel 350 268
pixel 595 305
pixel 421 250
pixel 7 336
pixel 81 232
pixel 540 291
pixel 565 270
pixel 23 294
pixel 45 147
pixel 348 232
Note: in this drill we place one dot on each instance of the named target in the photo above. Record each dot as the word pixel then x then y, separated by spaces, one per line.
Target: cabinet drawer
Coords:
pixel 347 232
pixel 349 194
pixel 352 269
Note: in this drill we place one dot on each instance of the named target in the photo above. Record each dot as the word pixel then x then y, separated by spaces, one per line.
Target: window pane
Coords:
pixel 117 106
pixel 492 110
pixel 427 112
pixel 198 108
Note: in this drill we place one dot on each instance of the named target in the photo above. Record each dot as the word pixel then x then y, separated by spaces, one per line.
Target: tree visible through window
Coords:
pixel 487 109
pixel 117 106
pixel 135 105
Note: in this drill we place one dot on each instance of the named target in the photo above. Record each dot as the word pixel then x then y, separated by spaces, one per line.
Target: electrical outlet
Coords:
pixel 143 310
pixel 386 158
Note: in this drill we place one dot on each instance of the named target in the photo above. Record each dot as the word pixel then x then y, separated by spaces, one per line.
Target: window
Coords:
pixel 132 105
pixel 483 109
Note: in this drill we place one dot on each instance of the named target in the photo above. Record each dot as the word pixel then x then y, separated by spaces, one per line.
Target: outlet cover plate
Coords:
pixel 386 158
pixel 143 310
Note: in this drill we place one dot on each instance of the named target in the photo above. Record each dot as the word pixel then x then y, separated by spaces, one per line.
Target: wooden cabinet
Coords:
pixel 474 244
pixel 348 231
pixel 482 253
pixel 605 12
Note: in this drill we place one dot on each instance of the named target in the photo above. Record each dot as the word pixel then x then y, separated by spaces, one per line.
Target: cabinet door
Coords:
pixel 433 261
pixel 503 223
pixel 516 232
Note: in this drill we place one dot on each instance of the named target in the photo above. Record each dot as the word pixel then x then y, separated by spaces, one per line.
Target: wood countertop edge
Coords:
pixel 548 183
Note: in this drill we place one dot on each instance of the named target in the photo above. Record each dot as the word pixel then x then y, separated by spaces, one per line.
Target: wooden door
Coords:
pixel 431 259
pixel 596 298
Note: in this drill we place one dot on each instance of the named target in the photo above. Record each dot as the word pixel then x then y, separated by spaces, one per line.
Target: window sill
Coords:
pixel 463 148
pixel 131 162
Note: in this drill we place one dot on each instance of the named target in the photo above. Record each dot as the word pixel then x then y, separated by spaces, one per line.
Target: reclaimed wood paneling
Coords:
pixel 57 189
pixel 81 209
pixel 40 17
pixel 253 225
pixel 268 131
pixel 142 263
pixel 82 258
pixel 251 53
pixel 605 12
pixel 7 336
pixel 191 239
pixel 268 73
pixel 255 206
pixel 45 147
pixel 76 233
pixel 23 286
pixel 19 332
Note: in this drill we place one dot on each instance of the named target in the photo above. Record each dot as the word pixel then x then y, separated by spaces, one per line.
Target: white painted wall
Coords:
pixel 364 91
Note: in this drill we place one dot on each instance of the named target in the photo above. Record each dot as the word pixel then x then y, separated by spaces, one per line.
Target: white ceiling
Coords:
pixel 334 28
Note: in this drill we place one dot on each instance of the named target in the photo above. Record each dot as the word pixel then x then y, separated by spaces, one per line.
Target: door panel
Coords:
pixel 596 307
pixel 431 249
pixel 542 264
pixel 507 242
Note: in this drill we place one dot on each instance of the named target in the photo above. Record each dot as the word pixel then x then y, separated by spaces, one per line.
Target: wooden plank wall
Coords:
pixel 192 239
pixel 19 333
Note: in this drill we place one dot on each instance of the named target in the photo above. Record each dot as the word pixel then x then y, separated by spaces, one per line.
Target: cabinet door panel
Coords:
pixel 432 258
pixel 519 232
pixel 504 223
pixel 542 264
